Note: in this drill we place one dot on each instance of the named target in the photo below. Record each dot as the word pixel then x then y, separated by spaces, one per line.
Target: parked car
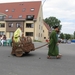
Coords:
pixel 63 41
pixel 73 41
pixel 69 41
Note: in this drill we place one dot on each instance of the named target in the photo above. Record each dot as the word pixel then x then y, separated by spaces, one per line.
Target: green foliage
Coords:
pixel 74 34
pixel 53 21
pixel 62 36
pixel 72 37
pixel 67 36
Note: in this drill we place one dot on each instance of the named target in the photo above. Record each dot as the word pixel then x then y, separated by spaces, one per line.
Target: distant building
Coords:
pixel 46 31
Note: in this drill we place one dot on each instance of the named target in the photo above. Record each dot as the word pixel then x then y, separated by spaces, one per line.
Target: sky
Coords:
pixel 64 10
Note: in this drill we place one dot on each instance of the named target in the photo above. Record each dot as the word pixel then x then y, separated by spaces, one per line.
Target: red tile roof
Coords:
pixel 47 26
pixel 18 7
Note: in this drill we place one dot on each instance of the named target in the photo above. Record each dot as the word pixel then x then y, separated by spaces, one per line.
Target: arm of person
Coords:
pixel 55 37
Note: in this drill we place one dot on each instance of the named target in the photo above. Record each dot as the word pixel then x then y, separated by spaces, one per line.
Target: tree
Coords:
pixel 67 36
pixel 62 36
pixel 53 21
pixel 74 34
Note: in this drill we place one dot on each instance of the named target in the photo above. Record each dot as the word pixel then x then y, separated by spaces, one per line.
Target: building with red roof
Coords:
pixel 46 31
pixel 27 15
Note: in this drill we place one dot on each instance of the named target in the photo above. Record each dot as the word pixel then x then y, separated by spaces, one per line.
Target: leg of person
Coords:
pixel 59 55
pixel 2 42
pixel 48 57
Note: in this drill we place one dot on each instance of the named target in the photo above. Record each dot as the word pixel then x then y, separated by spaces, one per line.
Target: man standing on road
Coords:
pixel 53 44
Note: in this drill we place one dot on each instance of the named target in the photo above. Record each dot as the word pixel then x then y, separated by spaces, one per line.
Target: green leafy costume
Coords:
pixel 53 47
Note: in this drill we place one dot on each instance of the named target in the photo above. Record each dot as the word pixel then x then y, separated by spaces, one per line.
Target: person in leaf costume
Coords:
pixel 53 44
pixel 17 34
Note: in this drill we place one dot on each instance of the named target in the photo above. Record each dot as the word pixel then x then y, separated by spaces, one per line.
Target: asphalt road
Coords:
pixel 36 62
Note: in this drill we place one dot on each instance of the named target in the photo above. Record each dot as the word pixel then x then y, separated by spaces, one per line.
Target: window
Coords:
pixel 4 17
pixel 30 17
pixel 13 10
pixel 1 18
pixel 29 25
pixel 1 32
pixel 18 24
pixel 6 10
pixel 10 16
pixel 44 37
pixel 2 24
pixel 32 9
pixel 20 16
pixel 23 9
pixel 39 34
pixel 39 26
pixel 43 30
pixel 10 25
pixel 29 33
pixel 11 34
